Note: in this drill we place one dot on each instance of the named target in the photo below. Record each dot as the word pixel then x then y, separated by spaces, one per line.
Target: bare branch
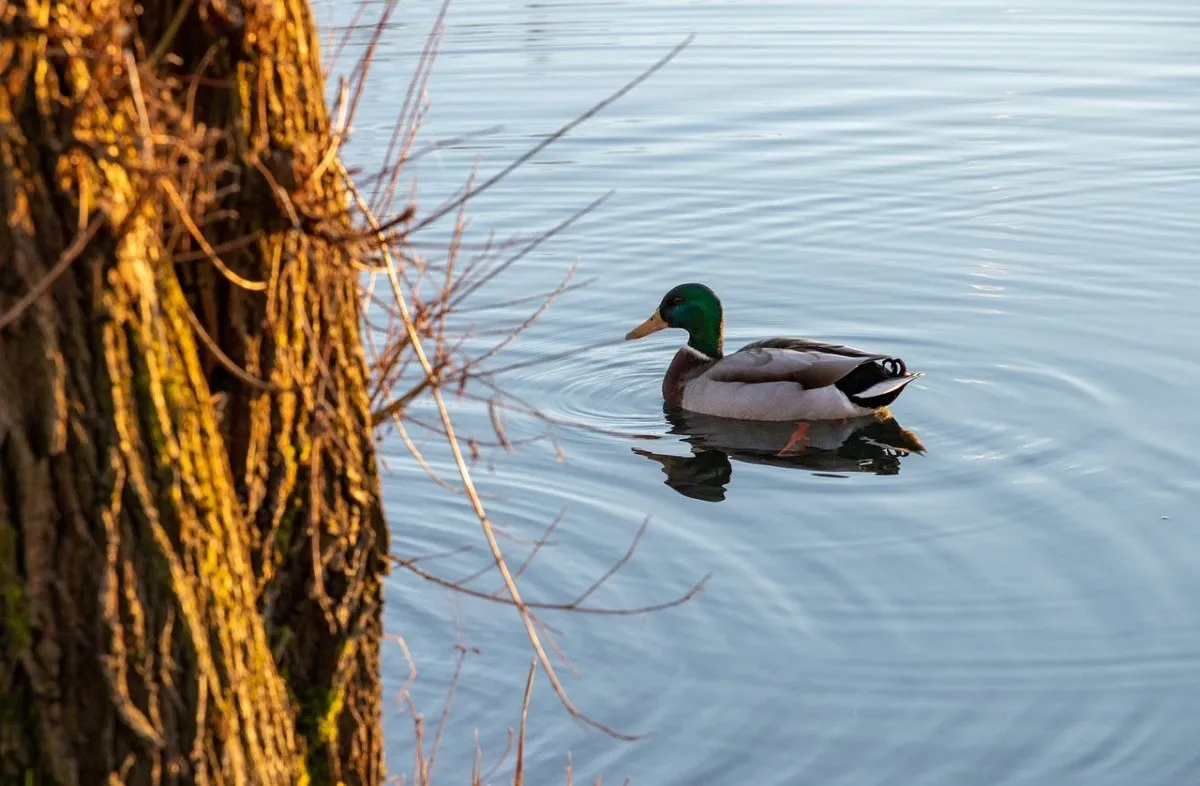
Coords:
pixel 552 138
pixel 562 225
pixel 616 565
pixel 537 546
pixel 695 590
pixel 416 328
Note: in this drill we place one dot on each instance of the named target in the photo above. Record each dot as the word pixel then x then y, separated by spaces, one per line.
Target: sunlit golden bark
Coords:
pixel 191 542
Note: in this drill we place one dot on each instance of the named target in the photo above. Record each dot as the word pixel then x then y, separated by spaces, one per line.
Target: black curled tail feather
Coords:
pixel 867 375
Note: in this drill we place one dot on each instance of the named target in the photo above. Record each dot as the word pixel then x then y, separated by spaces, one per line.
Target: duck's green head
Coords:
pixel 694 308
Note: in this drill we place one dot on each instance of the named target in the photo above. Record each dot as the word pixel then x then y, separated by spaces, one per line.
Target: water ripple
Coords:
pixel 1004 196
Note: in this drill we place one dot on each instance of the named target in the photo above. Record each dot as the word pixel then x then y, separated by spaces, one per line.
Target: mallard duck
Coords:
pixel 774 379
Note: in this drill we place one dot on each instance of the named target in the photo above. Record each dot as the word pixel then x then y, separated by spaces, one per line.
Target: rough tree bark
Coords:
pixel 191 540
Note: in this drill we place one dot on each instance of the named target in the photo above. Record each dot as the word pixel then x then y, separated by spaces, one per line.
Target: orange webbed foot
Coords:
pixel 799 438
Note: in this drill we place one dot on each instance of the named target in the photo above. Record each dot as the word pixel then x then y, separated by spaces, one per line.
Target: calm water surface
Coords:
pixel 1004 195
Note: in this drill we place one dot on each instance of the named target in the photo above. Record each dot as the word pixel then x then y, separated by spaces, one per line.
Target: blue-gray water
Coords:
pixel 1004 195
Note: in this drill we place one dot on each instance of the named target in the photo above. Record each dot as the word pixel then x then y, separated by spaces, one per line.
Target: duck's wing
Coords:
pixel 808 345
pixel 811 364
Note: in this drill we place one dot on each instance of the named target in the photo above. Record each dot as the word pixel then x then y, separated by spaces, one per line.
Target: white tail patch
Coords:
pixel 886 386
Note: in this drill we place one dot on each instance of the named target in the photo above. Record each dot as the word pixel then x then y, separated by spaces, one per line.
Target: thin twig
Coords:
pixel 368 56
pixel 519 772
pixel 69 255
pixel 359 13
pixel 225 360
pixel 561 226
pixel 499 761
pixel 552 138
pixel 404 562
pixel 420 78
pixel 230 245
pixel 537 546
pixel 562 289
pixel 441 727
pixel 198 236
pixel 453 141
pixel 548 632
pixel 616 565
pixel 695 590
pixel 550 358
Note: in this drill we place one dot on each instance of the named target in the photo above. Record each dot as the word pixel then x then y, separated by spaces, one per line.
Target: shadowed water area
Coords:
pixel 1000 587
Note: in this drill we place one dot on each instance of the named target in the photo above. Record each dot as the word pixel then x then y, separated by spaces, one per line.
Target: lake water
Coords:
pixel 1006 196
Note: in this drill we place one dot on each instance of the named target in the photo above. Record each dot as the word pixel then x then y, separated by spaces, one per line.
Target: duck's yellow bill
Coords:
pixel 652 325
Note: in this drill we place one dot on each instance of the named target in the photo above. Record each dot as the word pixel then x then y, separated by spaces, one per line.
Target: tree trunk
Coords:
pixel 191 540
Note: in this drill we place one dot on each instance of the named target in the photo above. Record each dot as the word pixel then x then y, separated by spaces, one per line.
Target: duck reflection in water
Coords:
pixel 874 444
